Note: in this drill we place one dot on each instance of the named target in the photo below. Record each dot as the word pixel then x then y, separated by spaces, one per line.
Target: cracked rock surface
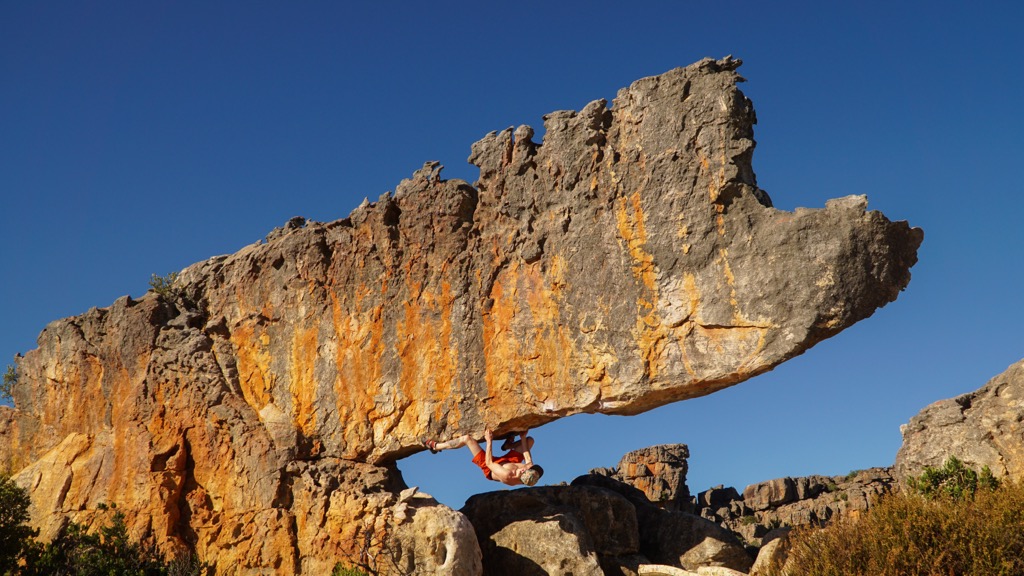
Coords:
pixel 627 261
pixel 982 428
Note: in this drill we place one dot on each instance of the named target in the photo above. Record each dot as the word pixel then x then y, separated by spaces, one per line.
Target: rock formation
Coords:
pixel 255 410
pixel 553 530
pixel 810 500
pixel 598 525
pixel 672 538
pixel 657 471
pixel 983 428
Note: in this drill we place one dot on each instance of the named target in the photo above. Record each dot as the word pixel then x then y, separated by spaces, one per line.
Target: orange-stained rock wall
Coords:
pixel 627 261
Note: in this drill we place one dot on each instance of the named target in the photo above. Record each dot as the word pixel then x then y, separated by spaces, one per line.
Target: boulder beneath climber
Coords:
pixel 552 529
pixel 675 538
pixel 597 525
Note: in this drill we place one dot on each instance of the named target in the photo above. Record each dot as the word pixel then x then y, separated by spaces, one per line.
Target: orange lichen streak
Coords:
pixel 359 329
pixel 669 328
pixel 428 358
pixel 302 381
pixel 252 346
pixel 528 353
pixel 649 331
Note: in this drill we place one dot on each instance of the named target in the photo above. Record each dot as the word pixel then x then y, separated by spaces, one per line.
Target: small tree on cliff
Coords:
pixel 7 386
pixel 15 534
pixel 165 286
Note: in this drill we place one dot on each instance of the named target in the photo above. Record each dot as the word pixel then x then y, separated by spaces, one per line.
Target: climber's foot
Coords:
pixel 509 443
pixel 431 445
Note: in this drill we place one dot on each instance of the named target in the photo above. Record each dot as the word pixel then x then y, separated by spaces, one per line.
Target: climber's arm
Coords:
pixel 498 472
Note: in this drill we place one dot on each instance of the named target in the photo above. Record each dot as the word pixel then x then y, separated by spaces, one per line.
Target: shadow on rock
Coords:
pixel 597 525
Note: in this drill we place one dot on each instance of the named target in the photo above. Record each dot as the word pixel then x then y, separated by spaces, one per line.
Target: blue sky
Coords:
pixel 141 137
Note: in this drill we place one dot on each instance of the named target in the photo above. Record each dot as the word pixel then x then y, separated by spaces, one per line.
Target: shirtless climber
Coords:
pixel 514 468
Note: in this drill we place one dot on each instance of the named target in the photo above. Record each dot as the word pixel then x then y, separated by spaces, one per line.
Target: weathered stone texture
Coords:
pixel 982 428
pixel 627 262
pixel 657 471
pixel 675 538
pixel 773 553
pixel 810 500
pixel 607 525
pixel 556 529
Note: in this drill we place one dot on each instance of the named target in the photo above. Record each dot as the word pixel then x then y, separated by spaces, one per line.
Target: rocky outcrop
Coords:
pixel 675 538
pixel 774 552
pixel 657 471
pixel 604 524
pixel 810 500
pixel 597 526
pixel 626 262
pixel 983 428
pixel 553 530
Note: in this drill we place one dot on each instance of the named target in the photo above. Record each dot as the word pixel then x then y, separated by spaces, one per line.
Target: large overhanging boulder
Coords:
pixel 628 261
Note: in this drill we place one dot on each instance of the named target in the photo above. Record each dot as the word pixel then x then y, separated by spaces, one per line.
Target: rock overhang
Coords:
pixel 627 261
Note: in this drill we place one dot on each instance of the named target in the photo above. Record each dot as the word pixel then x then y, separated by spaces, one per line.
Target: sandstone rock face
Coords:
pixel 983 428
pixel 552 530
pixel 605 525
pixel 195 468
pixel 810 500
pixel 255 412
pixel 675 538
pixel 9 458
pixel 657 471
pixel 773 553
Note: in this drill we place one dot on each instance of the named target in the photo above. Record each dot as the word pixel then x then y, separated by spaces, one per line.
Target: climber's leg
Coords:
pixel 458 442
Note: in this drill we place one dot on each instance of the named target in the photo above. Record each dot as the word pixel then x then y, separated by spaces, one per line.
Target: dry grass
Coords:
pixel 911 535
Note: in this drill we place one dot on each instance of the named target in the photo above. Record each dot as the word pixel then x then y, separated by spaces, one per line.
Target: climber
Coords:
pixel 514 468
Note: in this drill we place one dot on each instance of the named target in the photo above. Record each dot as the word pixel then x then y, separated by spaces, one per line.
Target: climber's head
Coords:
pixel 531 475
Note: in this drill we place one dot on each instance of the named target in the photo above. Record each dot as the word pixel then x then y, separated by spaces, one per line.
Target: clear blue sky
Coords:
pixel 140 137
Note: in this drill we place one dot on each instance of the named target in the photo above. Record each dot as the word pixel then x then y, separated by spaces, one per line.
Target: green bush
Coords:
pixel 949 532
pixel 953 480
pixel 106 552
pixel 15 534
pixel 75 551
pixel 341 570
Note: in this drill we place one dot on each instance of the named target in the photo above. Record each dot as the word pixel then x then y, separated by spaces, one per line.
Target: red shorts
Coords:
pixel 481 460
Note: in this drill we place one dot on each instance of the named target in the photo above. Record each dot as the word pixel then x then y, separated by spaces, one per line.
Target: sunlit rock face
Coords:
pixel 982 428
pixel 626 262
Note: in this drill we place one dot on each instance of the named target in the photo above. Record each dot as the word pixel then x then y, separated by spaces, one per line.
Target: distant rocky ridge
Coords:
pixel 981 428
pixel 658 474
pixel 607 523
pixel 255 413
pixel 810 500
